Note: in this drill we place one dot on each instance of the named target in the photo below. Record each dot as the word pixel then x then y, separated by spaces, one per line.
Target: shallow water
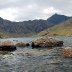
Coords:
pixel 36 60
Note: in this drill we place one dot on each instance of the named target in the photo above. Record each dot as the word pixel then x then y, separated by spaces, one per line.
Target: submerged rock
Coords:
pixel 21 44
pixel 67 52
pixel 46 42
pixel 7 46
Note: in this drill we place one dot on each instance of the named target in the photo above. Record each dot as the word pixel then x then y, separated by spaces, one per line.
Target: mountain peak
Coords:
pixel 56 14
pixel 60 15
pixel 57 18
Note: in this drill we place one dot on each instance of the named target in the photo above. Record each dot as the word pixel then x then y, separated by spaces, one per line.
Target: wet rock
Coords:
pixel 67 52
pixel 46 42
pixel 7 46
pixel 21 44
pixel 27 44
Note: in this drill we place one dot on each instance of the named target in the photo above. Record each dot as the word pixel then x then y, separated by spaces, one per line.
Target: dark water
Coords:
pixel 36 60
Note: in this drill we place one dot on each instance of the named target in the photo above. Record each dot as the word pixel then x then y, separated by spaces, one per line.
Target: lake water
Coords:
pixel 26 59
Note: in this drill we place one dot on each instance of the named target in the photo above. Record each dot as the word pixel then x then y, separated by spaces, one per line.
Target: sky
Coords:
pixel 21 10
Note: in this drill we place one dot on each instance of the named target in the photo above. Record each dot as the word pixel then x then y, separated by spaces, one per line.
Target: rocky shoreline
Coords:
pixel 42 42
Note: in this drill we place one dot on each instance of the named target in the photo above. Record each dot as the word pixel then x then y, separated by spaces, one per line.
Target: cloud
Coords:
pixel 50 10
pixel 8 13
pixel 47 12
pixel 20 10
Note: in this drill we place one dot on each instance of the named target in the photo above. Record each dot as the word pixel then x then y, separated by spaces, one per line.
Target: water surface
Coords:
pixel 26 59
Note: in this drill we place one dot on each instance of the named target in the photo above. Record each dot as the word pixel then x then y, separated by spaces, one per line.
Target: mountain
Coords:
pixel 64 28
pixel 56 19
pixel 29 27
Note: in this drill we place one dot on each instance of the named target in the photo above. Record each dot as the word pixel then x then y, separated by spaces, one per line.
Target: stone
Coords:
pixel 46 42
pixel 7 46
pixel 67 52
pixel 6 43
pixel 21 44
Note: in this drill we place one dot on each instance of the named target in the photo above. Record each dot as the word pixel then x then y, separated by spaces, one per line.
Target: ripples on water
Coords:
pixel 36 60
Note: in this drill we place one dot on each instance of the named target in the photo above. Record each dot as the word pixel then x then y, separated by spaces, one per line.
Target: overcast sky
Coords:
pixel 21 10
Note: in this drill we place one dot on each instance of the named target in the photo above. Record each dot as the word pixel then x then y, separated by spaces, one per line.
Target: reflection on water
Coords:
pixel 36 60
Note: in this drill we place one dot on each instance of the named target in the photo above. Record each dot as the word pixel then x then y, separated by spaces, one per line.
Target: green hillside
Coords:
pixel 64 28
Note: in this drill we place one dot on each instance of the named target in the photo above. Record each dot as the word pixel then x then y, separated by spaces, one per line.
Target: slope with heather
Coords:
pixel 64 28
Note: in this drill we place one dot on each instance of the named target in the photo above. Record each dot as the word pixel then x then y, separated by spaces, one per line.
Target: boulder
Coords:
pixel 67 52
pixel 7 43
pixel 7 46
pixel 46 42
pixel 21 44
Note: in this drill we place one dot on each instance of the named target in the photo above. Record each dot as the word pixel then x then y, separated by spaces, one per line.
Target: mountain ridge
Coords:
pixel 31 26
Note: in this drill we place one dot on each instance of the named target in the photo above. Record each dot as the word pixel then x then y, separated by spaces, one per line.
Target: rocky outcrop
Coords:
pixel 7 46
pixel 21 44
pixel 47 42
pixel 67 52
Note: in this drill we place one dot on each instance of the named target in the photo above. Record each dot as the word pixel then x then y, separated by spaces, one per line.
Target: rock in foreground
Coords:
pixel 7 46
pixel 67 52
pixel 21 44
pixel 46 42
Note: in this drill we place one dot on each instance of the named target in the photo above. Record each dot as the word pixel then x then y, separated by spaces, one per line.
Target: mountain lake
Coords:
pixel 26 59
